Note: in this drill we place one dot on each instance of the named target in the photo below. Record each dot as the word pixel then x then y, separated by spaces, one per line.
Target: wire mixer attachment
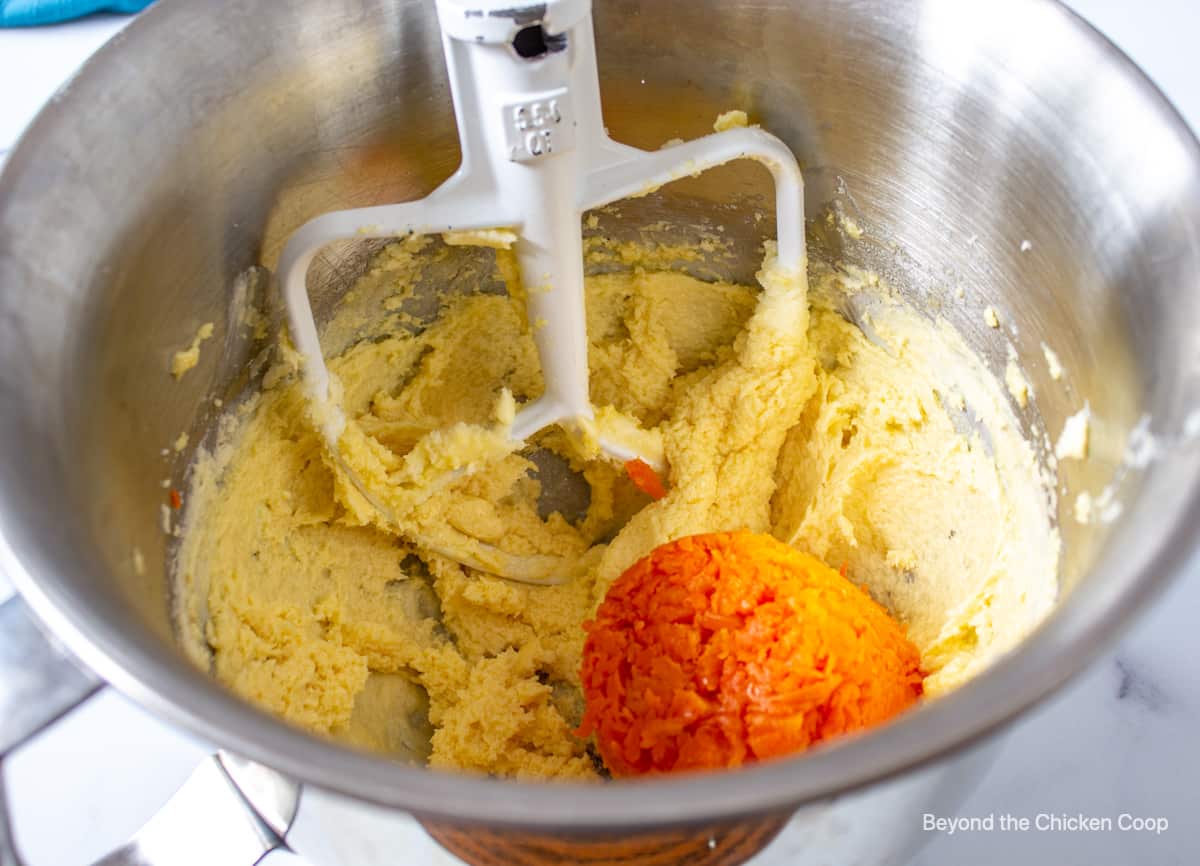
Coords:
pixel 535 157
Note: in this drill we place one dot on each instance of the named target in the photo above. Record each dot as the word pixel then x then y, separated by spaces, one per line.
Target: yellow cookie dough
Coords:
pixel 895 454
pixel 185 359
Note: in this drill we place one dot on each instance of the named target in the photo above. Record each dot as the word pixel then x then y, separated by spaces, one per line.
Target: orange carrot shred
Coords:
pixel 645 479
pixel 723 649
pixel 176 499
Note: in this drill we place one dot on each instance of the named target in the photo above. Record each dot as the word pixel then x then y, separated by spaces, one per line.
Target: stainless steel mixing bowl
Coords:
pixel 1004 149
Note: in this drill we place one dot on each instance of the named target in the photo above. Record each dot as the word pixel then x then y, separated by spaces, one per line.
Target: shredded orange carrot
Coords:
pixel 722 649
pixel 176 499
pixel 645 478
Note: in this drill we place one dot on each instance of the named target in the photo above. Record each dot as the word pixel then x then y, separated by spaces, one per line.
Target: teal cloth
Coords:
pixel 29 13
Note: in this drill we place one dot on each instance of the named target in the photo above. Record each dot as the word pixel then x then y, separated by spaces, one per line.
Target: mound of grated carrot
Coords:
pixel 722 649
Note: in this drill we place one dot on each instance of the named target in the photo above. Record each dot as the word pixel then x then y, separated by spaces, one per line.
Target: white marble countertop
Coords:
pixel 1122 738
